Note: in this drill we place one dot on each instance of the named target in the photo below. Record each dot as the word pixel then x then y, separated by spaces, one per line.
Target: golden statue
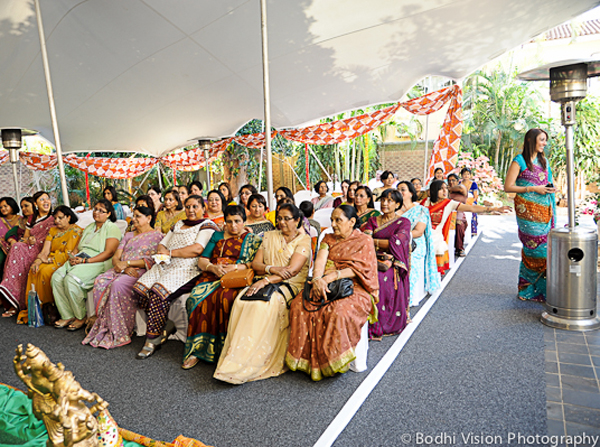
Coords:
pixel 60 402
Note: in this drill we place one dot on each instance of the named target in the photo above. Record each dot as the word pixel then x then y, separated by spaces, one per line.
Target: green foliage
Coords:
pixel 497 111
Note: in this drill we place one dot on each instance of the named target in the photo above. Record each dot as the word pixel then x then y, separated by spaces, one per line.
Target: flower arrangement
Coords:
pixel 482 173
pixel 591 206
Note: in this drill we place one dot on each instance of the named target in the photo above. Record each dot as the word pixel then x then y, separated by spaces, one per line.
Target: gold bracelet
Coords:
pixel 267 279
pixel 339 273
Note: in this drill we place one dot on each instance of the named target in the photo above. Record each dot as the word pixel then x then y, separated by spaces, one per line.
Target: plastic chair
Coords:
pixel 177 314
pixel 324 217
pixel 303 195
pixel 359 364
pixel 122 224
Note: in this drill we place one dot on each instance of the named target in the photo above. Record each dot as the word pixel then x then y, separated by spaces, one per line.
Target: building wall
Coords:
pixel 403 160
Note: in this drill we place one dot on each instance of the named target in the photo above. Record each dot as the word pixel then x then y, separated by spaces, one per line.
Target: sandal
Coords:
pixel 9 313
pixel 190 362
pixel 149 348
pixel 76 325
pixel 63 323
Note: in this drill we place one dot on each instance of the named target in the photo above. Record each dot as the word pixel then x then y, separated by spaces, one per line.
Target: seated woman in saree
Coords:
pixel 114 299
pixel 422 194
pixel 209 304
pixel 256 220
pixel 364 205
pixel 258 332
pixel 175 275
pixel 391 237
pixel 244 194
pixel 62 239
pixel 9 218
pixel 143 200
pixel 440 209
pixel 215 206
pixel 23 253
pixel 388 179
pixel 72 282
pixel 323 337
pixel 225 189
pixel 281 193
pixel 324 200
pixel 110 194
pixel 422 258
pixel 340 200
pixel 172 212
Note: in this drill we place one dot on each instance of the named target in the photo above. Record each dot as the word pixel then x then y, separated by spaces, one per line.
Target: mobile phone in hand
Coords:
pixel 550 185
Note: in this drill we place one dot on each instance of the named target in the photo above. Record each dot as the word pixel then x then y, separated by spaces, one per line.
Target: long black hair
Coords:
pixel 113 193
pixel 529 144
pixel 434 190
pixel 36 211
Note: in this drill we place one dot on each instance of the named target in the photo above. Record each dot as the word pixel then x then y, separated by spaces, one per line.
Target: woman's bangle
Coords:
pixel 267 279
pixel 268 269
pixel 339 273
pixel 208 266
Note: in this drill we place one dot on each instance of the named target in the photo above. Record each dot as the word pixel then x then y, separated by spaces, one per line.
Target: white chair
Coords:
pixel 122 224
pixel 177 314
pixel 359 364
pixel 85 219
pixel 377 205
pixel 127 211
pixel 303 195
pixel 324 217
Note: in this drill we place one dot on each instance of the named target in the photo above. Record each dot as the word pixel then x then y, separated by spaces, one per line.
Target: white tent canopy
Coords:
pixel 150 75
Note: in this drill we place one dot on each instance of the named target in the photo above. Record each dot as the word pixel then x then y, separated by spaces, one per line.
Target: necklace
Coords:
pixel 285 241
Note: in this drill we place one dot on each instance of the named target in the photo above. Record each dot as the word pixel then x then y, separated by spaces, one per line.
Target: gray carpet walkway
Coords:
pixel 474 365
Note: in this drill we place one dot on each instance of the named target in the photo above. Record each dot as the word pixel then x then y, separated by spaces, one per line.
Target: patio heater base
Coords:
pixel 569 324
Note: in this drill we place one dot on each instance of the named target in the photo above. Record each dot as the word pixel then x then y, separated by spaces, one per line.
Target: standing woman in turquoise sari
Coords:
pixel 530 177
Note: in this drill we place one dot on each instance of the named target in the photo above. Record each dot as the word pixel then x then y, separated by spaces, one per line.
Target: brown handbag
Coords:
pixel 238 279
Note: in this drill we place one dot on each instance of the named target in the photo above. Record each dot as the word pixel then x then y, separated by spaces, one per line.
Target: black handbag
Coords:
pixel 338 289
pixel 267 292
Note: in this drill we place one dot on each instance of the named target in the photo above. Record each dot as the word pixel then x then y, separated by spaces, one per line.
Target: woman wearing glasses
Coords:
pixel 72 282
pixel 258 331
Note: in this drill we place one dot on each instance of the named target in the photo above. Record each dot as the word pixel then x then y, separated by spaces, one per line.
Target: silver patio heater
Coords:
pixel 205 144
pixel 571 278
pixel 12 140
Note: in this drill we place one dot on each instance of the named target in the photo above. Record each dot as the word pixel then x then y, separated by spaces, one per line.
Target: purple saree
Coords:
pixel 394 284
pixel 18 262
pixel 114 297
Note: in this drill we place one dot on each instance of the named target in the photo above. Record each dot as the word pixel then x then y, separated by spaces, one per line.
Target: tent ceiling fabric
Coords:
pixel 148 76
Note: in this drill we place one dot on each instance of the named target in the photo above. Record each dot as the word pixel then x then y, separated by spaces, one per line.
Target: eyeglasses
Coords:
pixel 280 218
pixel 100 210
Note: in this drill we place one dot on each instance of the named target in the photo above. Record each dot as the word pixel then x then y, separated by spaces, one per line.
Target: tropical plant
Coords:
pixel 498 110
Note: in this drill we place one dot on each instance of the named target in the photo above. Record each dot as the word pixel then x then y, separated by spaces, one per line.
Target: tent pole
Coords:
pixel 208 182
pixel 260 170
pixel 16 180
pixel 267 95
pixel 61 166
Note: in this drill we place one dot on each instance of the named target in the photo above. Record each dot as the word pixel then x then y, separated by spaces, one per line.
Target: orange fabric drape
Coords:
pixel 444 154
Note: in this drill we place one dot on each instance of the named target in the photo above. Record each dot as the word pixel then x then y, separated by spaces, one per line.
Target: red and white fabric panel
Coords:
pixel 116 168
pixel 38 162
pixel 341 130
